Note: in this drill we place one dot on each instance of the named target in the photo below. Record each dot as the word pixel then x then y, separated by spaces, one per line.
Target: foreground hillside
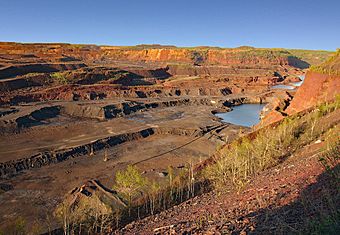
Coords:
pixel 297 194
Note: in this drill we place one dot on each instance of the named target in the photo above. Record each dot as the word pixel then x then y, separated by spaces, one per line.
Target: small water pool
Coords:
pixel 292 85
pixel 243 115
pixel 281 86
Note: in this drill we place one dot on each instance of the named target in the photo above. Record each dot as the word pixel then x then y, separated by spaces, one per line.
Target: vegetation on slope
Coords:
pixel 325 209
pixel 260 53
pixel 243 160
pixel 330 67
pixel 313 57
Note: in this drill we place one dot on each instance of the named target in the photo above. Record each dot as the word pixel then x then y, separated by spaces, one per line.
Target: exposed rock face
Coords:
pixel 317 88
pixel 321 84
pixel 10 168
pixel 41 72
pixel 89 53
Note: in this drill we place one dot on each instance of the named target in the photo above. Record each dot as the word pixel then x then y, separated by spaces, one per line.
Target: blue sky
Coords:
pixel 305 24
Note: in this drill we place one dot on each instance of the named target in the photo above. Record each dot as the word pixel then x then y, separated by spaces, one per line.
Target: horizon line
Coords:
pixel 164 45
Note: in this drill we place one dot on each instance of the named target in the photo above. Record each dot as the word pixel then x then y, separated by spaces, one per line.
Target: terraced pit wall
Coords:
pixel 11 168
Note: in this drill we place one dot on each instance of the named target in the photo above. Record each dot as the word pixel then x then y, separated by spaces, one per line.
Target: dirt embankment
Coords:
pixel 15 70
pixel 24 58
pixel 14 120
pixel 39 160
pixel 73 92
pixel 59 52
pixel 125 108
pixel 11 168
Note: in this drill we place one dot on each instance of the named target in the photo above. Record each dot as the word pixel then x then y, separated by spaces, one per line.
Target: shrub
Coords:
pixel 90 212
pixel 60 77
pixel 327 107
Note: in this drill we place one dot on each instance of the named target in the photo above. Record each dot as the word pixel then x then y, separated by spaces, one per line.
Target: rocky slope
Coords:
pixel 90 53
pixel 37 72
pixel 13 56
pixel 322 84
pixel 278 201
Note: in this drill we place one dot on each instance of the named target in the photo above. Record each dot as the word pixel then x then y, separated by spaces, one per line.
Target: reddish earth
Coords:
pixel 317 88
pixel 92 53
pixel 321 85
pixel 277 201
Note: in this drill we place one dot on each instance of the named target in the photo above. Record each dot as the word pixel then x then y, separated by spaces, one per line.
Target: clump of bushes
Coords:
pixel 91 215
pixel 143 197
pixel 265 54
pixel 150 196
pixel 59 77
pixel 324 70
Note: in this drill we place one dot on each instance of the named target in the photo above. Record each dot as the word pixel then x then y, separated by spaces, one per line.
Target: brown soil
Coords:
pixel 180 136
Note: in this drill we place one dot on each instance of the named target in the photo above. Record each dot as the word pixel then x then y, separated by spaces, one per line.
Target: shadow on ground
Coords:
pixel 315 211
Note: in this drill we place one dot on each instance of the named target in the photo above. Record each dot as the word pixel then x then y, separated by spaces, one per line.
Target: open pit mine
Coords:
pixel 72 116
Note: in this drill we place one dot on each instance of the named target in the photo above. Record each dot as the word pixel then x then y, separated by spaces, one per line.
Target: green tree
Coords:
pixel 129 182
pixel 154 189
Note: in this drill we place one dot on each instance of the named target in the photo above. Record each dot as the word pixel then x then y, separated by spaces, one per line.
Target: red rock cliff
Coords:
pixel 317 88
pixel 209 56
pixel 322 84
